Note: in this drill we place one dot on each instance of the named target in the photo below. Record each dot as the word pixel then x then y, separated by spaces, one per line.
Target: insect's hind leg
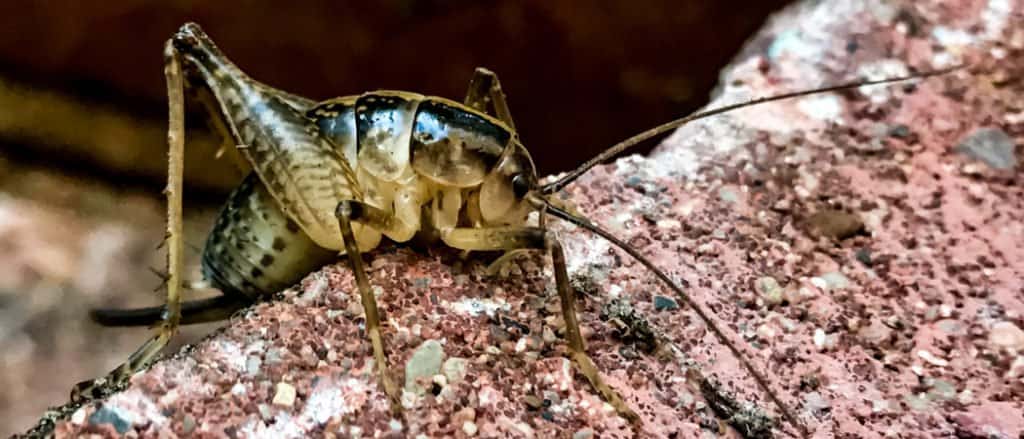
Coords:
pixel 346 212
pixel 171 317
pixel 511 238
pixel 485 88
pixel 213 309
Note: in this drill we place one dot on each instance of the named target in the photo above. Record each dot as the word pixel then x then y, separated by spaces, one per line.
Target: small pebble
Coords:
pixel 284 395
pixel 469 427
pixel 1007 335
pixel 990 145
pixel 265 412
pixel 188 423
pixel 663 303
pixel 951 327
pixel 252 364
pixel 835 280
pixel 899 131
pixel 454 369
pixel 548 335
pixel 464 415
pixel 585 433
pixel 424 363
pixel 107 415
pixel 819 283
pixel 819 338
pixel 875 333
pixel 816 403
pixel 78 417
pixel 770 290
pixel 863 255
pixel 930 358
pixel 395 425
pixel 520 345
pixel 836 224
pixel 942 390
pixel 765 332
pixel 533 402
pixel 798 295
pixel 728 195
pixel 916 402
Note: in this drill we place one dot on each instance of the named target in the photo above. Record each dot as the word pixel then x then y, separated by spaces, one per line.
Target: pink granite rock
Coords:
pixel 893 237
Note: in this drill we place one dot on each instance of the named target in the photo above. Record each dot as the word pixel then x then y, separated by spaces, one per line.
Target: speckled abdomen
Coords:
pixel 254 249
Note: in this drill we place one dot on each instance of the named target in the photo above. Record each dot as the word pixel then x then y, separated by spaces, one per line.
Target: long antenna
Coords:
pixel 557 185
pixel 761 381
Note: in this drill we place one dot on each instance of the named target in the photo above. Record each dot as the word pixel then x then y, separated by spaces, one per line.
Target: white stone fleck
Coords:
pixel 1007 335
pixel 395 425
pixel 475 306
pixel 819 283
pixel 488 396
pixel 328 400
pixel 668 224
pixel 230 353
pixel 469 427
pixel 284 395
pixel 882 69
pixel 819 338
pixel 78 418
pixel 996 15
pixel 931 358
pixel 824 107
pixel 835 280
pixel 952 38
pixel 521 344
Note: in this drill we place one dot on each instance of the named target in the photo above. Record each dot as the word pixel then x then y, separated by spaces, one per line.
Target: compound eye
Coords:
pixel 520 185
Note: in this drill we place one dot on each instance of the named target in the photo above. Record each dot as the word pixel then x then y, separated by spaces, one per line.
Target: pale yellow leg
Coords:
pixel 511 238
pixel 346 212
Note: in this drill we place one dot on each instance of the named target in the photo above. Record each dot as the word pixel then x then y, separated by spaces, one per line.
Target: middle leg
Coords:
pixel 347 212
pixel 513 238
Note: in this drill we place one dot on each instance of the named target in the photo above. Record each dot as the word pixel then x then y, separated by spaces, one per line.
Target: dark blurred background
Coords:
pixel 82 120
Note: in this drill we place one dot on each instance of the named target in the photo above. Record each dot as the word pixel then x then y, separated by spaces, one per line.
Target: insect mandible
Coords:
pixel 338 175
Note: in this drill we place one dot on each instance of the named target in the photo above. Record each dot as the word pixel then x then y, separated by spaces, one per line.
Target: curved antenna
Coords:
pixel 761 381
pixel 557 185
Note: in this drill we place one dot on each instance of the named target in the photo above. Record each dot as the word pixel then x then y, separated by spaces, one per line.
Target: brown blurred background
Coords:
pixel 82 117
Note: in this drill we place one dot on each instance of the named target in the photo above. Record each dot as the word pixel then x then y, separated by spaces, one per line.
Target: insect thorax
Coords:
pixel 409 151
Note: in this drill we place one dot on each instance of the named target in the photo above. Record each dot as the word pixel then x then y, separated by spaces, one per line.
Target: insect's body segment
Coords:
pixel 254 249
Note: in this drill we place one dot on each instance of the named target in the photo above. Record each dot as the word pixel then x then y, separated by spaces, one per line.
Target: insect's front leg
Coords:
pixel 512 238
pixel 93 389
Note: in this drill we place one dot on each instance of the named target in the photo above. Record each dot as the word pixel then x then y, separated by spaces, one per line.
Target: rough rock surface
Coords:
pixel 863 259
pixel 70 243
